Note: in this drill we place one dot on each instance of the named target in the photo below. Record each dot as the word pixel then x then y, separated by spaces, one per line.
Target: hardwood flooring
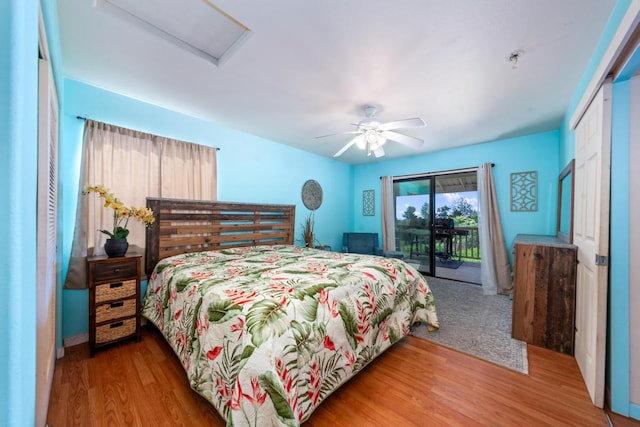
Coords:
pixel 415 383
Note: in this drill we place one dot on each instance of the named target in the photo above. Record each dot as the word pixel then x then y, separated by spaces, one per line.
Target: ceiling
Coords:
pixel 309 67
pixel 456 183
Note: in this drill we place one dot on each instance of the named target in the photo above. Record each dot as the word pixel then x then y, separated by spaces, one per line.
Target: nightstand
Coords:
pixel 114 299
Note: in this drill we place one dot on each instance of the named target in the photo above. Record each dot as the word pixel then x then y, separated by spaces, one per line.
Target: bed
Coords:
pixel 266 330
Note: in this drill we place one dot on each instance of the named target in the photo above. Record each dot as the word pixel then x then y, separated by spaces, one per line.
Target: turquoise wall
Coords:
pixel 18 177
pixel 538 152
pixel 618 362
pixel 250 169
pixel 567 141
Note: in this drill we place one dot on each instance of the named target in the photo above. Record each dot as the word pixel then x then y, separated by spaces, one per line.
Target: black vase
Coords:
pixel 116 247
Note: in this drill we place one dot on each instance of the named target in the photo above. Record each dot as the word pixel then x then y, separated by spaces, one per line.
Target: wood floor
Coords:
pixel 415 383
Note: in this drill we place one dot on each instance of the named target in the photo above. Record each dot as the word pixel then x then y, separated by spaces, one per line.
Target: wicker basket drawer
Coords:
pixel 116 330
pixel 105 312
pixel 124 269
pixel 115 290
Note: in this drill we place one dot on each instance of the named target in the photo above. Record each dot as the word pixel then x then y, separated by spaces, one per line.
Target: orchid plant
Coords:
pixel 121 213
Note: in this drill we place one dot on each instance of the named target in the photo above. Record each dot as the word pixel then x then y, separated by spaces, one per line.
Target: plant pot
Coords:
pixel 116 247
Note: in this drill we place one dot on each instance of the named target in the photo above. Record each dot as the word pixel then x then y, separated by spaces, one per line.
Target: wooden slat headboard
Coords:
pixel 183 226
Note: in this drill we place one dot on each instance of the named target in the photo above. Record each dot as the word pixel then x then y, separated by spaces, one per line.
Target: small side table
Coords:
pixel 114 299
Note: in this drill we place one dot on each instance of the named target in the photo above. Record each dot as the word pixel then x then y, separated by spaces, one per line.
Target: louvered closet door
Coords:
pixel 46 237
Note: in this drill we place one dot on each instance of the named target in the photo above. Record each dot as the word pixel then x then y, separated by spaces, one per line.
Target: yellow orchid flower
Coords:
pixel 121 213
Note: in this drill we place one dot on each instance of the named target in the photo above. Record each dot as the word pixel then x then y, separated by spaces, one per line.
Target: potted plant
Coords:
pixel 117 245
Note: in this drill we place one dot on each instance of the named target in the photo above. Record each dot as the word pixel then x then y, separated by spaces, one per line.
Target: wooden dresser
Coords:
pixel 544 292
pixel 114 299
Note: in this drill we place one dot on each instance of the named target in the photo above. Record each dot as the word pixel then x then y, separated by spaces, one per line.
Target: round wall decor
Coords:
pixel 312 194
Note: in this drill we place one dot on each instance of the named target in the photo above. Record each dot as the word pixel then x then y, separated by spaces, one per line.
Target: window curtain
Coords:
pixel 188 171
pixel 133 165
pixel 388 215
pixel 495 270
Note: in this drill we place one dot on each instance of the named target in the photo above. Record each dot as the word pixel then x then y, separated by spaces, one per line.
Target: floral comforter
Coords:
pixel 266 333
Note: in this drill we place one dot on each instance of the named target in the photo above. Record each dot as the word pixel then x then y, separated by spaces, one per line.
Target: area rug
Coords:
pixel 475 324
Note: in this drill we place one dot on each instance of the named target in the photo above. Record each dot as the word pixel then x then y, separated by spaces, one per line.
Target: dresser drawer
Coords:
pixel 115 331
pixel 115 290
pixel 115 310
pixel 112 271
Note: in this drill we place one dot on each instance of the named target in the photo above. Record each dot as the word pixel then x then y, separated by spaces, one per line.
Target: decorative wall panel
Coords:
pixel 524 191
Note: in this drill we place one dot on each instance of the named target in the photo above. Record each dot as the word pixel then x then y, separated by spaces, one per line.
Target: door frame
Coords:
pixel 46 265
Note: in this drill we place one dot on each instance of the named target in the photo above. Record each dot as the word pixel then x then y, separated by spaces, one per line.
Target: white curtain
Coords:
pixel 188 171
pixel 388 215
pixel 495 270
pixel 133 165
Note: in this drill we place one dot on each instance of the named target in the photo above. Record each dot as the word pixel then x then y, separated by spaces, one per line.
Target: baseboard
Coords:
pixel 60 353
pixel 75 340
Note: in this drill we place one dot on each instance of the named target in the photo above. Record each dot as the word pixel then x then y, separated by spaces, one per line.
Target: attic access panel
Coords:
pixel 195 25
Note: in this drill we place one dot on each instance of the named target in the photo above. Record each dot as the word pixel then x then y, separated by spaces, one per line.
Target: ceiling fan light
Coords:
pixel 376 145
pixel 361 141
pixel 367 138
pixel 375 139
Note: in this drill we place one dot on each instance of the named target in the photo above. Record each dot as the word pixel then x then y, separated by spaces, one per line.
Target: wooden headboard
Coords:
pixel 183 226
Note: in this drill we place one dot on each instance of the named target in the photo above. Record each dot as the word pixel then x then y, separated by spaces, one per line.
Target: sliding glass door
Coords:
pixel 414 200
pixel 436 224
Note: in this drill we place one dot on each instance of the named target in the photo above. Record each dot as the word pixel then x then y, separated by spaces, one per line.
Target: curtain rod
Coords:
pixel 84 118
pixel 445 172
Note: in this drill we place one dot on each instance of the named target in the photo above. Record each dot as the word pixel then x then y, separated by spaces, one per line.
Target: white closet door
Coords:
pixel 591 236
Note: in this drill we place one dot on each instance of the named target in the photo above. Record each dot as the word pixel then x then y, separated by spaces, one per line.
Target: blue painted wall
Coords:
pixel 618 362
pixel 250 169
pixel 537 152
pixel 18 177
pixel 567 141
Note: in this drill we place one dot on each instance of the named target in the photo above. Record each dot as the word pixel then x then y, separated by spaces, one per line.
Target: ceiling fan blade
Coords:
pixel 378 152
pixel 348 145
pixel 407 140
pixel 341 133
pixel 416 122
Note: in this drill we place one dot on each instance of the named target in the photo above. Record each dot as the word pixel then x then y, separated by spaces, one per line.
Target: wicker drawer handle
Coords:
pixel 117 304
pixel 115 285
pixel 116 325
pixel 116 270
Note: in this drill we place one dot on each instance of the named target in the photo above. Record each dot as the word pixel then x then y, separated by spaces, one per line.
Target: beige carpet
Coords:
pixel 475 324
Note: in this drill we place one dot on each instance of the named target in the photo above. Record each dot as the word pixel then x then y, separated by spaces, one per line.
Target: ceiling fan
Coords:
pixel 371 134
